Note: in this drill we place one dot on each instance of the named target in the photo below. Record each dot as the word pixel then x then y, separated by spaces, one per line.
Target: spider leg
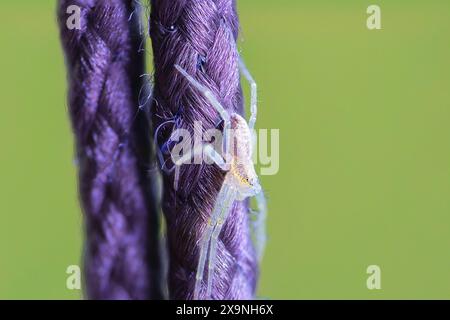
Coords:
pixel 206 92
pixel 186 158
pixel 202 259
pixel 205 150
pixel 224 210
pixel 204 242
pixel 216 157
pixel 216 104
pixel 254 92
pixel 258 225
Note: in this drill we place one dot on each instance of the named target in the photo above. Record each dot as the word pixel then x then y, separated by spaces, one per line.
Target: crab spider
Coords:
pixel 240 180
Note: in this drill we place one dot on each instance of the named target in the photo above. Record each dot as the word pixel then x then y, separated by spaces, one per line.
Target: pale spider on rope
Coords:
pixel 241 180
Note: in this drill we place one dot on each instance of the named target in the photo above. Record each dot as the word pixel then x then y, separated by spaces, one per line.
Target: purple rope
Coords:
pixel 113 149
pixel 195 34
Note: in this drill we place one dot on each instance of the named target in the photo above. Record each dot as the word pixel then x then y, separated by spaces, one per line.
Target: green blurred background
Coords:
pixel 364 156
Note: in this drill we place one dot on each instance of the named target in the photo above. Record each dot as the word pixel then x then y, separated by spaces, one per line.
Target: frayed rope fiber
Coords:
pixel 113 149
pixel 200 36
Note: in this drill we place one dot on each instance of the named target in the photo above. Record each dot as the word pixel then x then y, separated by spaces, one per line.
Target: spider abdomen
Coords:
pixel 242 172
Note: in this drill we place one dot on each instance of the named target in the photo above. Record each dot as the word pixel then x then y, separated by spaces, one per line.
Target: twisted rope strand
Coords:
pixel 196 36
pixel 113 149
